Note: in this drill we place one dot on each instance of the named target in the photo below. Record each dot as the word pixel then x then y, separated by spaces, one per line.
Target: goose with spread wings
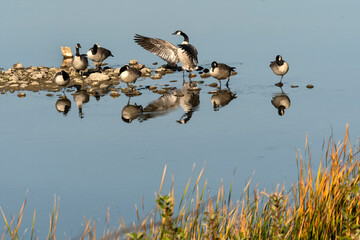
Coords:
pixel 184 52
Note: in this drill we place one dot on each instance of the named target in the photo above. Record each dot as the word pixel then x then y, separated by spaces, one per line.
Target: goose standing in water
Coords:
pixel 221 71
pixel 129 75
pixel 184 52
pixel 62 79
pixel 281 101
pixel 280 68
pixel 80 62
pixel 98 54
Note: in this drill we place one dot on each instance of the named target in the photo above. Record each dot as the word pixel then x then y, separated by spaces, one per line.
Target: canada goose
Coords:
pixel 280 68
pixel 221 71
pixel 184 52
pixel 129 75
pixel 281 101
pixel 222 98
pixel 98 54
pixel 81 97
pixel 131 112
pixel 62 79
pixel 63 105
pixel 79 62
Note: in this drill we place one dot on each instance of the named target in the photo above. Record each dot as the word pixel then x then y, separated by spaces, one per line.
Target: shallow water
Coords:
pixel 99 160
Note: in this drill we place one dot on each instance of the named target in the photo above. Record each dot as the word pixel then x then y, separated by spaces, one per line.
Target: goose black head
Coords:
pixel 178 32
pixel 65 75
pixel 281 110
pixel 279 60
pixel 127 120
pixel 78 45
pixel 123 69
pixel 94 49
pixel 214 65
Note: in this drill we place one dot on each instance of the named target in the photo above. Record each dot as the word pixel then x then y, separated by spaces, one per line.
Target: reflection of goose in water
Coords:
pixel 81 97
pixel 130 112
pixel 188 100
pixel 281 101
pixel 184 52
pixel 63 105
pixel 221 98
pixel 280 68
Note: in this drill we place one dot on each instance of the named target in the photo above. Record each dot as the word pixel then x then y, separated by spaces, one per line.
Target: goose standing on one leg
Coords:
pixel 80 62
pixel 280 68
pixel 98 54
pixel 184 52
pixel 129 75
pixel 62 79
pixel 221 71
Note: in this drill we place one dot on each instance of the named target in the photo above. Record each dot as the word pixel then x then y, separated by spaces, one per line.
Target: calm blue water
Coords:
pixel 101 161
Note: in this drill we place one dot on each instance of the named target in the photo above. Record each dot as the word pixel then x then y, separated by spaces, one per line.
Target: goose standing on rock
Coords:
pixel 80 62
pixel 280 68
pixel 221 71
pixel 62 79
pixel 98 54
pixel 184 52
pixel 129 75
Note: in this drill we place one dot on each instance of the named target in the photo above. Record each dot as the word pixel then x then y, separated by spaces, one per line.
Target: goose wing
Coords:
pixel 164 49
pixel 191 51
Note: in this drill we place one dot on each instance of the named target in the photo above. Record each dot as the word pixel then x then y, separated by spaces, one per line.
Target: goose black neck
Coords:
pixel 186 38
pixel 77 51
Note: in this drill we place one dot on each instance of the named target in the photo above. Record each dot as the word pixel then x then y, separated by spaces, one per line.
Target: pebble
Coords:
pixel 98 77
pixel 23 86
pixel 18 66
pixel 104 85
pixel 205 75
pixel 155 63
pixel 145 70
pixel 36 76
pixel 117 71
pixel 294 86
pixel 213 85
pixel 35 84
pixel 192 75
pixel 21 95
pixel 156 76
pixel 152 87
pixel 173 81
pixel 14 85
pixel 49 94
pixel 114 94
pixel 138 66
pixel 310 86
pixel 13 78
pixel 133 62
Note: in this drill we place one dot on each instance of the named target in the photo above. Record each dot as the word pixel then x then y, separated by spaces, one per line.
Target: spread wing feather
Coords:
pixel 191 51
pixel 164 49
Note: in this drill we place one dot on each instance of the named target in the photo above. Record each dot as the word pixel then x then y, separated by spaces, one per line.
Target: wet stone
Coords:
pixel 155 63
pixel 133 62
pixel 156 76
pixel 21 95
pixel 294 86
pixel 205 75
pixel 114 94
pixel 192 75
pixel 213 85
pixel 310 86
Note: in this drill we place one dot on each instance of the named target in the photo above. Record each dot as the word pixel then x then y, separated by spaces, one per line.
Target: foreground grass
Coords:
pixel 321 205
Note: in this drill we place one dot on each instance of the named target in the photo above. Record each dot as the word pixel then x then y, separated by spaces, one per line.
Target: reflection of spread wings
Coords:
pixel 190 51
pixel 164 49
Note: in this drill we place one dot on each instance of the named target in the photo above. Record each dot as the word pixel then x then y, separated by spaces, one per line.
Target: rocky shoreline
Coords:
pixel 34 79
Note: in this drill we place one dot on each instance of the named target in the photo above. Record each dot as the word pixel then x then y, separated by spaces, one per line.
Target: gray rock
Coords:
pixel 98 77
pixel 18 66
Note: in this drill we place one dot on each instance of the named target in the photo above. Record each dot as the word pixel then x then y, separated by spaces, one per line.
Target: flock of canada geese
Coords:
pixel 185 53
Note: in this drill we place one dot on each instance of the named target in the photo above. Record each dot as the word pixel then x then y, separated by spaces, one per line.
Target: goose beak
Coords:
pixel 174 33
